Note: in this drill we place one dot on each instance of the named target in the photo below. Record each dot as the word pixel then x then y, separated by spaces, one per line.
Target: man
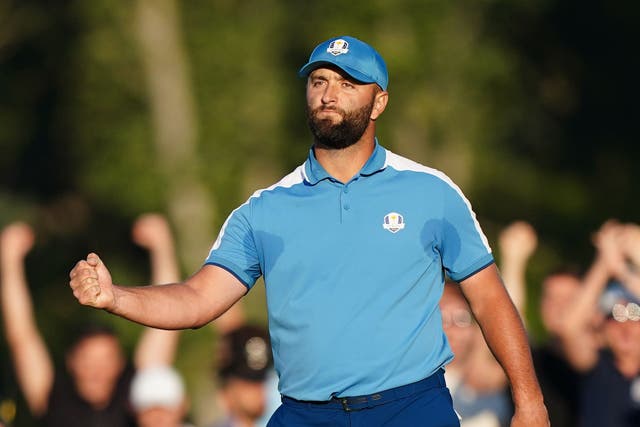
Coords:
pixel 244 360
pixel 353 246
pixel 558 379
pixel 93 387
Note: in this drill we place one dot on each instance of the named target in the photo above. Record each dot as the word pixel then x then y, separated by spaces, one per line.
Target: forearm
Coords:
pixel 576 327
pixel 511 348
pixel 513 274
pixel 580 313
pixel 34 371
pixel 156 347
pixel 164 266
pixel 506 337
pixel 191 304
pixel 505 334
pixel 170 306
pixel 17 308
pixel 32 364
pixel 517 243
pixel 630 278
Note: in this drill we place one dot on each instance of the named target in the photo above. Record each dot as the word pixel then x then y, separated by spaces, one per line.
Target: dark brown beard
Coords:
pixel 342 135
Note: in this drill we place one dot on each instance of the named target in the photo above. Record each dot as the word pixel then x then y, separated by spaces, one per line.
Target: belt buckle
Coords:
pixel 360 402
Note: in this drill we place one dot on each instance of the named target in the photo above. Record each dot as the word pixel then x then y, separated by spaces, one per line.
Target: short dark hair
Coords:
pixel 89 330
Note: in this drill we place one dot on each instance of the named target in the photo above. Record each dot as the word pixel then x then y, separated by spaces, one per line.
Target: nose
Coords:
pixel 330 93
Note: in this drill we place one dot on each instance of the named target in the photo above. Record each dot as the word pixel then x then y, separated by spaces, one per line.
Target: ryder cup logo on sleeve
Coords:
pixel 393 222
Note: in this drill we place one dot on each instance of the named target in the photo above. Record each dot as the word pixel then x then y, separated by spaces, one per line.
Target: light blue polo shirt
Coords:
pixel 354 272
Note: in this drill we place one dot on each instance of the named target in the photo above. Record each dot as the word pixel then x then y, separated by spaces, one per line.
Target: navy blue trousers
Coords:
pixel 426 403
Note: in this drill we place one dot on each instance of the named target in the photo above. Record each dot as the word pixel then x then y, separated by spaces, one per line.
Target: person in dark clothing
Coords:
pixel 558 379
pixel 92 388
pixel 609 362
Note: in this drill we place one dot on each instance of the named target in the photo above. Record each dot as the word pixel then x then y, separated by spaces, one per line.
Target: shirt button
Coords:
pixel 346 189
pixel 347 207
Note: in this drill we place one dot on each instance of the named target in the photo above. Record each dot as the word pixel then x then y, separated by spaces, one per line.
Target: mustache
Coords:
pixel 324 108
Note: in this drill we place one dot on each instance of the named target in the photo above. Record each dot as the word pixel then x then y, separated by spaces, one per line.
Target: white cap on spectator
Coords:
pixel 156 386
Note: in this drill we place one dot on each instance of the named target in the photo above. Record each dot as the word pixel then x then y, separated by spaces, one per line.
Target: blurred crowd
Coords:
pixel 98 385
pixel 588 366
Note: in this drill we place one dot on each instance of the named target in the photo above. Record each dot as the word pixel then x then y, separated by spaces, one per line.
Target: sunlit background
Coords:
pixel 112 108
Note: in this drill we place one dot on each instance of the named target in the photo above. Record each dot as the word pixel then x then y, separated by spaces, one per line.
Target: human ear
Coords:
pixel 379 104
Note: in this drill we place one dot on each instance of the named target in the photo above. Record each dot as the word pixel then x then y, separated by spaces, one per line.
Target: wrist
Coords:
pixel 528 399
pixel 114 306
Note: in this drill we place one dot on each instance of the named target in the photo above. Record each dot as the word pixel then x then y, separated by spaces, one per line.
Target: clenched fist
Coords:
pixel 91 283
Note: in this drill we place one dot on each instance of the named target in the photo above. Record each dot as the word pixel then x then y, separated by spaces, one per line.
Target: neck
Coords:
pixel 344 164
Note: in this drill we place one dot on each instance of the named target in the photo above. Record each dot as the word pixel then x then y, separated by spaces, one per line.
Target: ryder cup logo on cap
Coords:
pixel 356 58
pixel 338 47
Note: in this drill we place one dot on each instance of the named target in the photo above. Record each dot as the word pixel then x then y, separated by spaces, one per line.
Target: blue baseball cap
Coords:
pixel 353 56
pixel 616 292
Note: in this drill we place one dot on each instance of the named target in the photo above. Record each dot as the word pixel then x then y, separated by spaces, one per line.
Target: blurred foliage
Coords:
pixel 527 105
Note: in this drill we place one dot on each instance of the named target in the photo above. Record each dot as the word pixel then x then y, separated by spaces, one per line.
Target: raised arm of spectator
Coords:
pixel 630 245
pixel 152 232
pixel 517 243
pixel 31 359
pixel 580 343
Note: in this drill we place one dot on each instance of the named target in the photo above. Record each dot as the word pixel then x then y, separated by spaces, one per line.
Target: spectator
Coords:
pixel 610 391
pixel 243 364
pixel 233 319
pixel 93 388
pixel 558 380
pixel 96 379
pixel 158 397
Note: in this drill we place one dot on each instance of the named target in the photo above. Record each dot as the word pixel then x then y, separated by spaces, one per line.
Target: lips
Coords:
pixel 328 112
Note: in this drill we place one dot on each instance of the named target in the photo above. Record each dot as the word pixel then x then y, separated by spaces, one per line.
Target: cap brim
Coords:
pixel 355 74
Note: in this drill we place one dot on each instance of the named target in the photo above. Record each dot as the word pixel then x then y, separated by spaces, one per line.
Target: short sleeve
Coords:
pixel 465 249
pixel 235 248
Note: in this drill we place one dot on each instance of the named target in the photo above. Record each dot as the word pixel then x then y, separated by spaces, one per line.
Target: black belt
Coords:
pixel 357 403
